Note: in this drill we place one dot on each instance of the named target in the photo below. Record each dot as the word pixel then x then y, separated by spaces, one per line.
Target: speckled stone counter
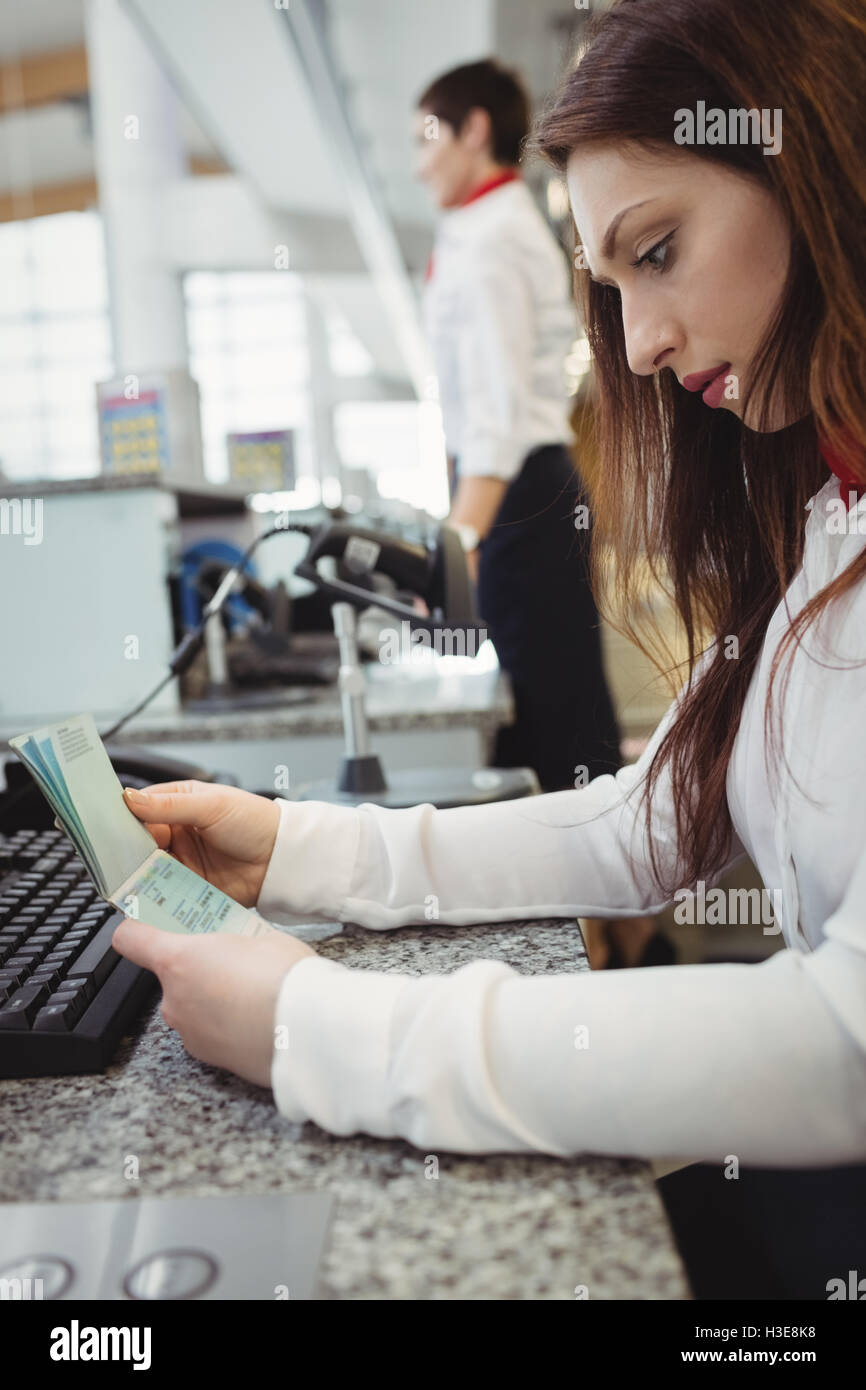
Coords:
pixel 490 1227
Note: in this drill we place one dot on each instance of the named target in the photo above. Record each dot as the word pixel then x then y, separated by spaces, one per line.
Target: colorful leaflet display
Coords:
pixel 74 773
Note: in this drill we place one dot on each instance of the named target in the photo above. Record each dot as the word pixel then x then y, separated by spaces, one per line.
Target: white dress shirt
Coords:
pixel 500 320
pixel 766 1062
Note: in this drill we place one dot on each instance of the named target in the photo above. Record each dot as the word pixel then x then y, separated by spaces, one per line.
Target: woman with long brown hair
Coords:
pixel 714 157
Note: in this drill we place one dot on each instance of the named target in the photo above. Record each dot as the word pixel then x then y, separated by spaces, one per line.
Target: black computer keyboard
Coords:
pixel 66 996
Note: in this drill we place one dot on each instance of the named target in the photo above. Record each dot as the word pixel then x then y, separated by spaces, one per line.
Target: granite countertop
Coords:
pixel 490 1227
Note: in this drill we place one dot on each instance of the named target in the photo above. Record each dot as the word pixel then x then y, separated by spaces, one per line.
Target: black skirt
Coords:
pixel 534 595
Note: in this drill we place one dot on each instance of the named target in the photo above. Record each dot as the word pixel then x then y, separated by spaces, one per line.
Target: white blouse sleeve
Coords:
pixel 581 853
pixel 763 1062
pixel 766 1062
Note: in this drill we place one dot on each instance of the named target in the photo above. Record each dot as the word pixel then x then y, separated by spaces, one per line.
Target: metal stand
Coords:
pixel 217 660
pixel 361 777
pixel 360 770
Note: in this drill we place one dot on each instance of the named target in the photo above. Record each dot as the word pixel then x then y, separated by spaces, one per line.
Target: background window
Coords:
pixel 55 344
pixel 248 353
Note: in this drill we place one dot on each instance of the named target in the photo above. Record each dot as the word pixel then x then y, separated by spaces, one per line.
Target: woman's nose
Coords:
pixel 650 336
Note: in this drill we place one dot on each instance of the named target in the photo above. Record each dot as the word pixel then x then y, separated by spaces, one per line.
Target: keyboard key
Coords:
pixel 47 938
pixel 65 992
pixel 84 986
pixel 58 1018
pixel 52 977
pixel 30 920
pixel 22 1008
pixel 13 979
pixel 98 958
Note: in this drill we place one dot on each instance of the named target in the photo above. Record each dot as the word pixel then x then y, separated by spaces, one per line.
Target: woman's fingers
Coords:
pixel 182 803
pixel 161 834
pixel 185 787
pixel 143 945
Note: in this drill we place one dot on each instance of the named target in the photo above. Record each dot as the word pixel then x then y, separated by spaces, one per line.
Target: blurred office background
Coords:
pixel 270 241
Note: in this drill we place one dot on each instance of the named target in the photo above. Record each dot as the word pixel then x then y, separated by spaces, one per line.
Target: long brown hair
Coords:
pixel 713 509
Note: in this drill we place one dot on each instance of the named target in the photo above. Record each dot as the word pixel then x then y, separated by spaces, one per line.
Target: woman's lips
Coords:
pixel 710 383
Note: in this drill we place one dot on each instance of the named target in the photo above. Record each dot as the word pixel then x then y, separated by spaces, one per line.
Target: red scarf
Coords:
pixel 507 176
pixel 848 481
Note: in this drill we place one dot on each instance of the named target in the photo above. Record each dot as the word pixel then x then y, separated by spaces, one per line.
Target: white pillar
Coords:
pixel 320 387
pixel 138 155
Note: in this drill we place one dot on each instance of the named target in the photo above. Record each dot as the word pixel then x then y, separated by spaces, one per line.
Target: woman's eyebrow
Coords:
pixel 608 245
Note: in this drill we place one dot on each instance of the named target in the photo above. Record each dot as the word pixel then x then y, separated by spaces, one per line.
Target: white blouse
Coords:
pixel 766 1062
pixel 500 319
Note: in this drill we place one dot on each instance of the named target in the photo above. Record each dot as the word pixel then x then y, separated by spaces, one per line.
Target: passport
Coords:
pixel 73 771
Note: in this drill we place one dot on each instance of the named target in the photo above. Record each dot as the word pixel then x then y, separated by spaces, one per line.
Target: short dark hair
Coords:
pixel 496 90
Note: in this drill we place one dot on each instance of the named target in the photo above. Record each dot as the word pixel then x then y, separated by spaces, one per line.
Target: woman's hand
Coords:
pixel 226 835
pixel 219 991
